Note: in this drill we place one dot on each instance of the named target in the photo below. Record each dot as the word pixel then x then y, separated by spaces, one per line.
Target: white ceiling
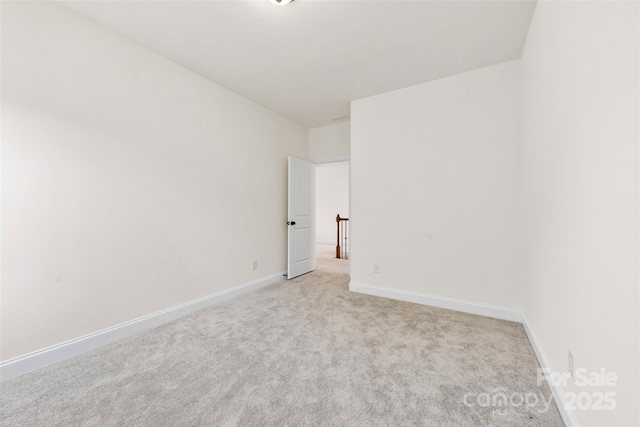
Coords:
pixel 308 59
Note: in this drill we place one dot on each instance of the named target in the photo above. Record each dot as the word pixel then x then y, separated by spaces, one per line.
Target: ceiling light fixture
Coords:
pixel 280 2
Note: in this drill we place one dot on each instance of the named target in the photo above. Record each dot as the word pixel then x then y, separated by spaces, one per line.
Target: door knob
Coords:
pixel 291 223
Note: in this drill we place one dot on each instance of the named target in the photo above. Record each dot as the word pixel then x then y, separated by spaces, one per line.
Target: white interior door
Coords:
pixel 302 217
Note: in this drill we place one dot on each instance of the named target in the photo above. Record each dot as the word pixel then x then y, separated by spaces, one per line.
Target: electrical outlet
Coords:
pixel 571 372
pixel 376 268
pixel 254 264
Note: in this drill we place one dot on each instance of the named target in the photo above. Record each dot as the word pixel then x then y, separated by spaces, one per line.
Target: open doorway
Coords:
pixel 332 217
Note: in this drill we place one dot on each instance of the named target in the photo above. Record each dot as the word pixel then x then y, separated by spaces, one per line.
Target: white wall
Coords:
pixel 434 181
pixel 580 182
pixel 330 143
pixel 129 184
pixel 332 198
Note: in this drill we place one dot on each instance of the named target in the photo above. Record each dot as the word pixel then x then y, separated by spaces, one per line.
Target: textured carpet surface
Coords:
pixel 300 352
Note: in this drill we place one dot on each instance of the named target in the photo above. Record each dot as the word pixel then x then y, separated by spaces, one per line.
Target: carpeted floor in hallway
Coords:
pixel 300 352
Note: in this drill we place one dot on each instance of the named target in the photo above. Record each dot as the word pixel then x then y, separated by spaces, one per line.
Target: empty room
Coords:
pixel 320 213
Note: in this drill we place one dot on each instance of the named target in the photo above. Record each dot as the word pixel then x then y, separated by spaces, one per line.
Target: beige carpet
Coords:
pixel 300 352
pixel 326 260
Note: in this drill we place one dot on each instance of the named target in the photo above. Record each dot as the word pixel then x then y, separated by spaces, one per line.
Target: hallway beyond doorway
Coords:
pixel 326 260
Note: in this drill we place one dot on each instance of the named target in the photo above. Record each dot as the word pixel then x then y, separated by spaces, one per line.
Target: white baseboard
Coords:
pixel 325 242
pixel 495 311
pixel 568 417
pixel 40 358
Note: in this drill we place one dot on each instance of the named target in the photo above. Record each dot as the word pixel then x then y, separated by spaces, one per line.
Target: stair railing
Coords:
pixel 342 248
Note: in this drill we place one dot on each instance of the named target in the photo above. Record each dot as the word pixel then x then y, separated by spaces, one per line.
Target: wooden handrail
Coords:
pixel 338 219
